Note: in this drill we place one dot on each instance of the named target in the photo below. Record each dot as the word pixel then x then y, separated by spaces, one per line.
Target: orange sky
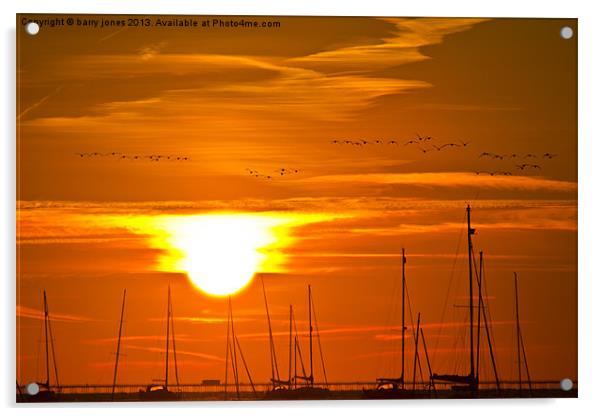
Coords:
pixel 263 99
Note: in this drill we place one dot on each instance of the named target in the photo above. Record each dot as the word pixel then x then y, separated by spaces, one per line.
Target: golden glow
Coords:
pixel 220 253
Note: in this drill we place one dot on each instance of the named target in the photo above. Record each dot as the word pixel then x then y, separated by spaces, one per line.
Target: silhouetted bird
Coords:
pixel 450 145
pixel 425 150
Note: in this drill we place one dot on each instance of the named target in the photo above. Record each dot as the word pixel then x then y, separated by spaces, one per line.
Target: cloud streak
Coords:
pixel 448 179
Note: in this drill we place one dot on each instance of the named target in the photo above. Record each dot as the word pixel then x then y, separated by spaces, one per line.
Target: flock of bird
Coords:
pixel 514 156
pixel 123 156
pixel 276 173
pixel 421 142
pixel 426 144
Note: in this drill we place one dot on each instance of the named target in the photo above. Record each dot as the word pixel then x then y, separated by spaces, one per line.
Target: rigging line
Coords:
pixel 313 306
pixel 246 367
pixel 234 365
pixel 173 339
pixel 298 347
pixel 412 320
pixel 485 307
pixel 301 360
pixel 487 311
pixel 227 352
pixel 234 360
pixel 525 359
pixel 56 373
pixel 118 346
pixel 449 285
pixel 273 360
pixel 428 361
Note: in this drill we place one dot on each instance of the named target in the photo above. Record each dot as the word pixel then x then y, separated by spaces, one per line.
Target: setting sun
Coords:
pixel 221 253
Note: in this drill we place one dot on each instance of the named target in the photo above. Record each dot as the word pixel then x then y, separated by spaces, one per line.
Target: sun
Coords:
pixel 221 253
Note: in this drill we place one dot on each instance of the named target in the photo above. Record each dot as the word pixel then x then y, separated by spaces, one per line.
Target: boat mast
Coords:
pixel 471 231
pixel 273 360
pixel 46 341
pixel 118 346
pixel 480 282
pixel 520 386
pixel 311 357
pixel 227 352
pixel 167 337
pixel 173 344
pixel 290 342
pixel 479 308
pixel 403 315
pixel 233 351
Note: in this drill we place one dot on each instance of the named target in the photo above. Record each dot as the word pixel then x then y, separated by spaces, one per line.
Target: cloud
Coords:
pixel 402 46
pixel 448 179
pixel 209 357
pixel 327 85
pixel 32 313
pixel 39 102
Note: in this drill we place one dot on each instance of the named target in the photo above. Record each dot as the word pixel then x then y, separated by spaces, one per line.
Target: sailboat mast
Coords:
pixel 118 345
pixel 520 386
pixel 471 312
pixel 173 344
pixel 311 352
pixel 273 361
pixel 227 351
pixel 403 315
pixel 290 342
pixel 46 340
pixel 167 337
pixel 479 308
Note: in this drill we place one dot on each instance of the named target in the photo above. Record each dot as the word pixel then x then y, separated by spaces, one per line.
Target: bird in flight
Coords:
pixel 450 145
pixel 495 173
pixel 528 165
pixel 426 150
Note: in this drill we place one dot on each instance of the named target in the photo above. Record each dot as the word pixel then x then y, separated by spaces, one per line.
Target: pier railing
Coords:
pixel 199 388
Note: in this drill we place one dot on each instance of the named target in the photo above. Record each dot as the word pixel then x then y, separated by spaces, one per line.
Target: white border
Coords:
pixel 590 183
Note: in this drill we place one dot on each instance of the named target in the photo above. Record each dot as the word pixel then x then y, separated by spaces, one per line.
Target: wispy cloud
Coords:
pixel 448 179
pixel 31 313
pixel 399 47
pixel 209 357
